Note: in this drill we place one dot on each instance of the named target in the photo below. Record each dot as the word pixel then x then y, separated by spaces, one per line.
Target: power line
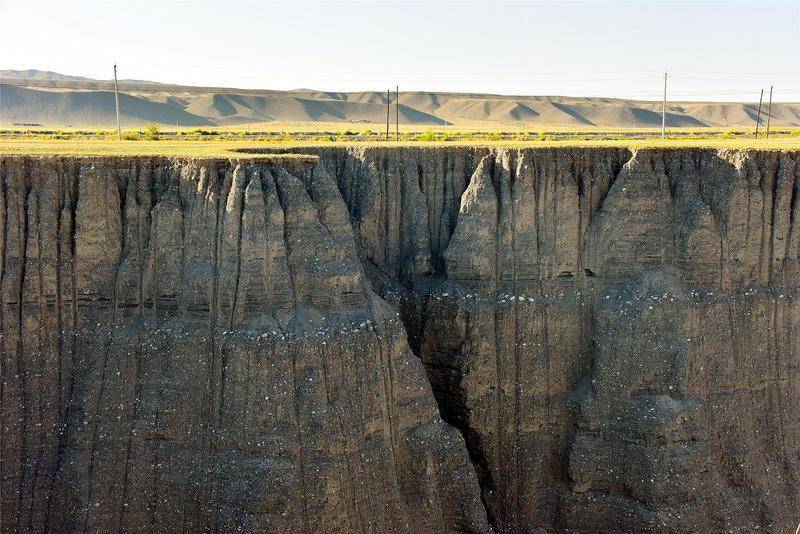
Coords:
pixel 664 110
pixel 769 110
pixel 758 115
pixel 116 102
pixel 397 113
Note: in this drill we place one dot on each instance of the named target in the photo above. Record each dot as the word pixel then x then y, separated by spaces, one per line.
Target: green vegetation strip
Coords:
pixel 287 132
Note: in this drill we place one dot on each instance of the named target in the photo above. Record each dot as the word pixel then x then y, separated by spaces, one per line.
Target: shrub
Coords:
pixel 130 136
pixel 152 133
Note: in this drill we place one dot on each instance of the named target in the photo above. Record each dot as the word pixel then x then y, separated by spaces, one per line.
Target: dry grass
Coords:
pixel 224 148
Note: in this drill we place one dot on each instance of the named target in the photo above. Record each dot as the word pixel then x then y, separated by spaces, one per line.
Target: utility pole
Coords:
pixel 664 110
pixel 116 102
pixel 758 115
pixel 388 106
pixel 397 113
pixel 769 110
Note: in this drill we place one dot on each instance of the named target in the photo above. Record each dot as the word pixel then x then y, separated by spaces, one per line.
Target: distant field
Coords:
pixel 336 132
pixel 218 146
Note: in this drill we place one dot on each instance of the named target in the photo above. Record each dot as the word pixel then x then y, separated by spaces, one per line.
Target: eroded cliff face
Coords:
pixel 194 347
pixel 389 340
pixel 615 334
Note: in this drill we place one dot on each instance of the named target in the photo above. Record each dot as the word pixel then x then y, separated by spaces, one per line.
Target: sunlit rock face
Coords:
pixel 445 339
pixel 615 333
pixel 193 346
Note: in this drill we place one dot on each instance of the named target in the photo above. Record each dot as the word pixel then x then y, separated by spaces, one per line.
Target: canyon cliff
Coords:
pixel 369 339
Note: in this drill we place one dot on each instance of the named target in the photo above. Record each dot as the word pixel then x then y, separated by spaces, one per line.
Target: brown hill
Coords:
pixel 55 100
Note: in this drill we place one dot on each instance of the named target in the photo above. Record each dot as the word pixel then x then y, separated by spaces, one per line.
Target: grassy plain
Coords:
pixel 221 142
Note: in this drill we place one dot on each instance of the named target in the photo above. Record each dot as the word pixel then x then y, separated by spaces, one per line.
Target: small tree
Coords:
pixel 152 133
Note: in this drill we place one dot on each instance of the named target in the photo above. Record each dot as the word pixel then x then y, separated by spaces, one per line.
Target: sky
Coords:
pixel 721 51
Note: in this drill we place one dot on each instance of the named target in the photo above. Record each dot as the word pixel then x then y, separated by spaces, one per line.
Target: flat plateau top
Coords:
pixel 213 148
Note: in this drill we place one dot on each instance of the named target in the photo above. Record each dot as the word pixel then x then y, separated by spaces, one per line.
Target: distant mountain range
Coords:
pixel 57 100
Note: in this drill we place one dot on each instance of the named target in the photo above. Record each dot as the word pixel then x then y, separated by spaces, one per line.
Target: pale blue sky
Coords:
pixel 714 50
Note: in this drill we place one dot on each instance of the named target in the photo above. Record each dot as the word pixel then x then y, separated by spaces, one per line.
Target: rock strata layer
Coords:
pixel 450 339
